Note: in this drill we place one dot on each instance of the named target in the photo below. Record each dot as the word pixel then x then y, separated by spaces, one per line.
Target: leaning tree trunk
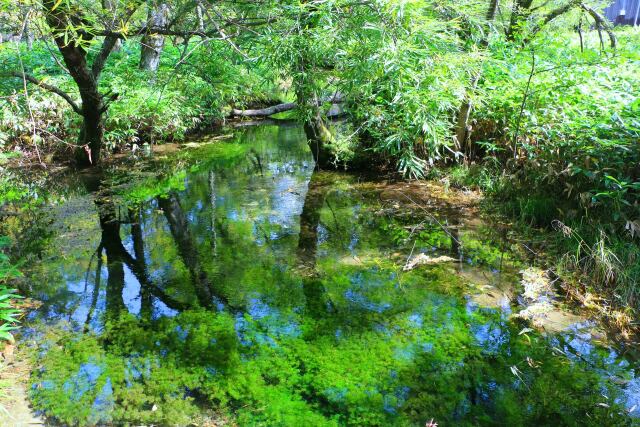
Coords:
pixel 187 249
pixel 152 44
pixel 319 138
pixel 493 10
pixel 317 300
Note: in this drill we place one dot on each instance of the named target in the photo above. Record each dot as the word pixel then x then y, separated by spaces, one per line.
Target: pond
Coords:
pixel 231 283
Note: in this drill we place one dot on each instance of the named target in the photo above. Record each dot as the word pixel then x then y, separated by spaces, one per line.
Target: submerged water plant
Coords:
pixel 157 318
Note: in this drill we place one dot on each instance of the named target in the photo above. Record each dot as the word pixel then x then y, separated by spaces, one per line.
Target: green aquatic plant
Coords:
pixel 263 293
pixel 370 358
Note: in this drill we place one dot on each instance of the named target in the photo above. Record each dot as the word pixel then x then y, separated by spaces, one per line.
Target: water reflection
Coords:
pixel 247 281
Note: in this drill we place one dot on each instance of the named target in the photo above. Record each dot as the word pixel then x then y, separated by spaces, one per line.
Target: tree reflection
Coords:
pixel 118 258
pixel 314 291
pixel 179 227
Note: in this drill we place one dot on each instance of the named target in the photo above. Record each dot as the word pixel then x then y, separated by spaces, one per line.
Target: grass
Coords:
pixel 8 296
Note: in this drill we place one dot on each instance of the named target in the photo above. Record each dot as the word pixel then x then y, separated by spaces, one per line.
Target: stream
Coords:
pixel 231 284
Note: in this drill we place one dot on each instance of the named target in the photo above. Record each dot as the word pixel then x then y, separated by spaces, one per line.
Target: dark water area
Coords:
pixel 233 284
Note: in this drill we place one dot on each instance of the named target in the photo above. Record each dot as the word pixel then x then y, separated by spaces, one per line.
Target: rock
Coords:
pixel 539 303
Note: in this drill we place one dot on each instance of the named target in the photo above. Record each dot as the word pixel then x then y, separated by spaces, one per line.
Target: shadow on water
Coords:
pixel 239 284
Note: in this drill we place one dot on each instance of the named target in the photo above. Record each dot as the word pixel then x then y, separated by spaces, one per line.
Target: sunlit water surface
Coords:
pixel 235 284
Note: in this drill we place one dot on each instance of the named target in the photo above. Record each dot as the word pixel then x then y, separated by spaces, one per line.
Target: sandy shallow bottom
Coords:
pixel 14 403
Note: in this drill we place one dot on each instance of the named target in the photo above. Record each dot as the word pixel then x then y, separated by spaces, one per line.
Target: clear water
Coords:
pixel 233 284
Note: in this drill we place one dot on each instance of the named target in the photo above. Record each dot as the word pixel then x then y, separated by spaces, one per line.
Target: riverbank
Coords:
pixel 592 261
pixel 15 371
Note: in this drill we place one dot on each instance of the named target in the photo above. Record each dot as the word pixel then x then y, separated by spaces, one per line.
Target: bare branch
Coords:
pixel 279 108
pixel 265 112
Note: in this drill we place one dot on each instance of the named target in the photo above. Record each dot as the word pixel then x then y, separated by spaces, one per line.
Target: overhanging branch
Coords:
pixel 265 112
pixel 602 23
pixel 163 31
pixel 600 20
pixel 64 95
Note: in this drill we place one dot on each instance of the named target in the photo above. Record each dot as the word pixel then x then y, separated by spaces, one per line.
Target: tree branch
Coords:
pixel 108 99
pixel 551 16
pixel 50 88
pixel 265 112
pixel 602 22
pixel 101 59
pixel 109 42
pixel 182 33
pixel 559 11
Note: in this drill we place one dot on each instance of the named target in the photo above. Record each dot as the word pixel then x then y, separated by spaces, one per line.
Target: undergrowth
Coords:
pixel 597 259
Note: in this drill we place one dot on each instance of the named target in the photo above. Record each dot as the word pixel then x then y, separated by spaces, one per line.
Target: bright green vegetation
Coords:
pixel 234 280
pixel 9 192
pixel 231 281
pixel 146 114
pixel 7 295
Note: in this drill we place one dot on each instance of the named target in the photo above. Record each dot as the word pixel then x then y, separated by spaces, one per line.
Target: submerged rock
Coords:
pixel 423 259
pixel 540 305
pixel 537 296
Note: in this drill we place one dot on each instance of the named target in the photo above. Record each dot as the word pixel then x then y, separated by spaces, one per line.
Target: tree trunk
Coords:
pixel 310 219
pixel 75 58
pixel 28 36
pixel 334 99
pixel 521 9
pixel 91 134
pixel 86 77
pixel 200 15
pixel 187 248
pixel 463 130
pixel 493 10
pixel 111 242
pixel 146 300
pixel 152 44
pixel 317 301
pixel 319 137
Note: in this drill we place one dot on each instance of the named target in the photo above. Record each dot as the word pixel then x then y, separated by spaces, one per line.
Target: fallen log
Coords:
pixel 265 112
pixel 280 108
